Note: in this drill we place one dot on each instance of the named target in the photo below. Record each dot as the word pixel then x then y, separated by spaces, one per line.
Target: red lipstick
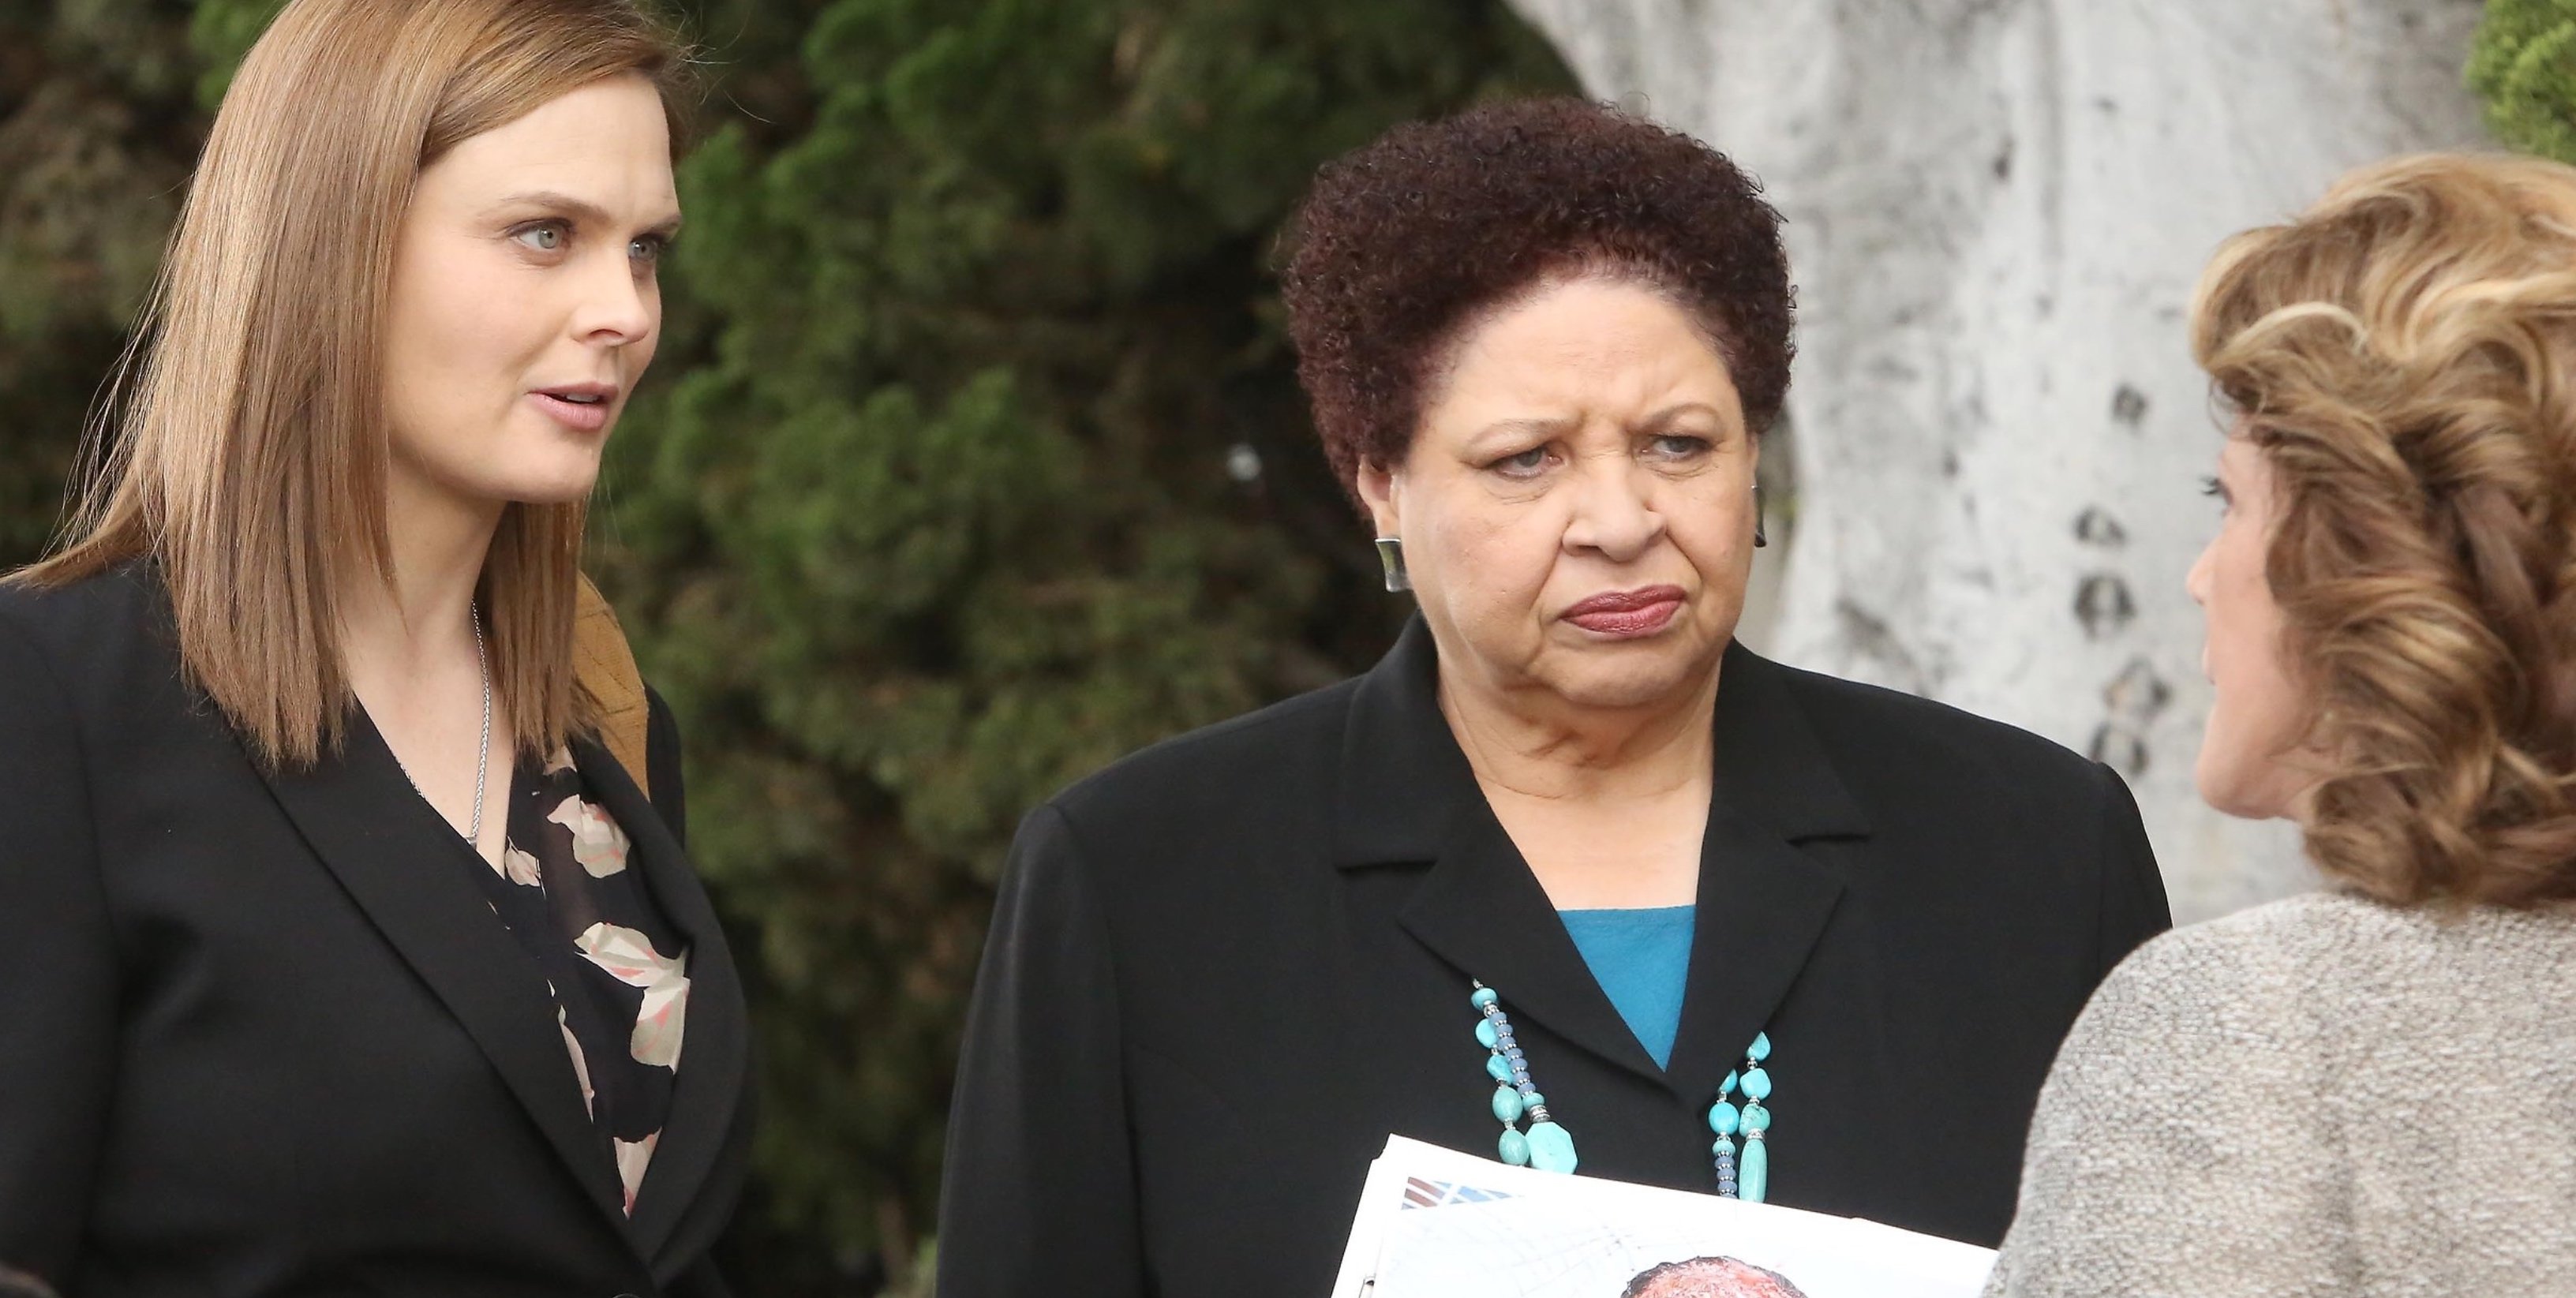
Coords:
pixel 1628 614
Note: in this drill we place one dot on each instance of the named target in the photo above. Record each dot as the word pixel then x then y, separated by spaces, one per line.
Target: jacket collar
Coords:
pixel 409 872
pixel 1407 795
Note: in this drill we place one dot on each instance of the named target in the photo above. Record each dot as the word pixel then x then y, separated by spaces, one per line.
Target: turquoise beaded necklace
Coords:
pixel 1548 1147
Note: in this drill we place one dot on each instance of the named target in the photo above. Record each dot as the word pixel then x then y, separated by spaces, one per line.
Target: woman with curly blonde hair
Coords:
pixel 2371 1090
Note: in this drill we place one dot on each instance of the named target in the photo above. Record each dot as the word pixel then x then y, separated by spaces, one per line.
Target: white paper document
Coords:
pixel 1434 1223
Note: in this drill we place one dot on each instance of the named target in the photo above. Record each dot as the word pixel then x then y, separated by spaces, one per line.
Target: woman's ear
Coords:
pixel 1379 489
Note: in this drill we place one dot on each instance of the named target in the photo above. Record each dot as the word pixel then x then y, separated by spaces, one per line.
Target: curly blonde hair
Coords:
pixel 2404 355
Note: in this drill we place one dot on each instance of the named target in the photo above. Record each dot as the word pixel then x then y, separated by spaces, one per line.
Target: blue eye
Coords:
pixel 1679 446
pixel 648 249
pixel 549 237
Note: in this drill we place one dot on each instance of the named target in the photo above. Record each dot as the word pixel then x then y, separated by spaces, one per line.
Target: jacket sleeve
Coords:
pixel 57 971
pixel 2133 890
pixel 1040 1193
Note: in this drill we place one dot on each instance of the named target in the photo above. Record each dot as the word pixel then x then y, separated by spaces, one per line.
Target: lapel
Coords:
pixel 714 1052
pixel 1763 903
pixel 1484 912
pixel 406 869
pixel 1407 794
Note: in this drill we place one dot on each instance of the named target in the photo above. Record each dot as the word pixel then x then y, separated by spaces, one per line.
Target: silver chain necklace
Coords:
pixel 483 763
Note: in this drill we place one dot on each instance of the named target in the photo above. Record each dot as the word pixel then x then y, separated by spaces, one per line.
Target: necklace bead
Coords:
pixel 1754 1180
pixel 1551 1149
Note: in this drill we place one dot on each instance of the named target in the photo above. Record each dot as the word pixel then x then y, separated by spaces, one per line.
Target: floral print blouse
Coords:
pixel 614 962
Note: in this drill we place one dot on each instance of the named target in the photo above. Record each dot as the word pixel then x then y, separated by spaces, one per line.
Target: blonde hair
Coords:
pixel 242 450
pixel 2404 355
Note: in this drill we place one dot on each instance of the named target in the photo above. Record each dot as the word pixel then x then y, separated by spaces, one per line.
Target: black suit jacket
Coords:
pixel 260 1035
pixel 1223 970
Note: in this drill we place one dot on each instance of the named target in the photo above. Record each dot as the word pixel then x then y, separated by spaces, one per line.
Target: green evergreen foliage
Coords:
pixel 983 464
pixel 103 107
pixel 97 132
pixel 221 32
pixel 973 458
pixel 2523 63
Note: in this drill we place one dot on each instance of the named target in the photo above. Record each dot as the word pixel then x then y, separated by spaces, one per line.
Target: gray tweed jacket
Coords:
pixel 2322 1096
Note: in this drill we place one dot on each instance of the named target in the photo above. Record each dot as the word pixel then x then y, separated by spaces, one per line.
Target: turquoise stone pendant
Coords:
pixel 1551 1149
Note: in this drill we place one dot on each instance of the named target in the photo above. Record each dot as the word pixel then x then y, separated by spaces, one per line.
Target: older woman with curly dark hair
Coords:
pixel 1569 879
pixel 2372 1090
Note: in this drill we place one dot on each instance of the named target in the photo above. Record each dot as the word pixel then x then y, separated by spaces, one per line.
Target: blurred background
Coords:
pixel 974 456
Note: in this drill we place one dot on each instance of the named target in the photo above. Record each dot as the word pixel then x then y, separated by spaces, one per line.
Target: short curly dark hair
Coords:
pixel 1405 241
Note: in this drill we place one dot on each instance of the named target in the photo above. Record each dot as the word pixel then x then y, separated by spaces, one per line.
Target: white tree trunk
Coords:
pixel 1997 210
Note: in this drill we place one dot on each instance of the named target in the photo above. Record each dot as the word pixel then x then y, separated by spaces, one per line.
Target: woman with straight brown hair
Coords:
pixel 2370 1091
pixel 342 947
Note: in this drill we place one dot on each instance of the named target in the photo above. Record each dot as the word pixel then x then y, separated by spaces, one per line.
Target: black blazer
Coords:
pixel 1223 970
pixel 260 1035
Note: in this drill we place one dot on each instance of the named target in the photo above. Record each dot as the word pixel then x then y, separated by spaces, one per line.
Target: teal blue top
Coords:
pixel 1642 959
